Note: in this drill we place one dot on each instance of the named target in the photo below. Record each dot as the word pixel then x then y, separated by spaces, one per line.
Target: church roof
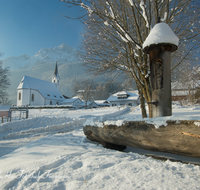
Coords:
pixel 47 89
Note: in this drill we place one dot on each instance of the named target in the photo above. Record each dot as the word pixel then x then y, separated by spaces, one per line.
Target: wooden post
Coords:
pixel 10 114
pixel 160 67
pixel 26 114
pixel 159 45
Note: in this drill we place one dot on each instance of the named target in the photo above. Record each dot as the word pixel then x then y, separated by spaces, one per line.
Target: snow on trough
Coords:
pixel 134 114
pixel 50 151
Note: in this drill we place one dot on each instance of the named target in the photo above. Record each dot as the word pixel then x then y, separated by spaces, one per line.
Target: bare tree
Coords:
pixel 104 90
pixel 116 30
pixel 4 83
pixel 85 90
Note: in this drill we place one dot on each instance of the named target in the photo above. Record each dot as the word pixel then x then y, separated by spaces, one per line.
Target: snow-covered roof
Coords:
pixel 127 96
pixel 47 89
pixel 101 102
pixel 89 103
pixel 71 100
pixel 161 34
pixel 92 103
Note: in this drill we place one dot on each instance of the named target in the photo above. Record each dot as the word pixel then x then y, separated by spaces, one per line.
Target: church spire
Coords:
pixel 56 69
pixel 56 78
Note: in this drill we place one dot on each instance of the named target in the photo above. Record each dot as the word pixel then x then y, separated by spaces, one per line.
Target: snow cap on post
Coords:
pixel 161 34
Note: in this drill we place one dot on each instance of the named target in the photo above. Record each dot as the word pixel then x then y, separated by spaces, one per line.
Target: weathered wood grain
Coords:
pixel 179 137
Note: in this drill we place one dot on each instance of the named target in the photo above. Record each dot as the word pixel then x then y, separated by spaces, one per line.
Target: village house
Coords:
pixel 74 102
pixel 124 98
pixel 91 104
pixel 102 103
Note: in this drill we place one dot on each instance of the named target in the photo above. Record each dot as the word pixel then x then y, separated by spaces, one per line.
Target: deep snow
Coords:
pixel 50 151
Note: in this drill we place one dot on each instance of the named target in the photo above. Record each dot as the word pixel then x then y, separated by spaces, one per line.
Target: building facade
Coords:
pixel 34 92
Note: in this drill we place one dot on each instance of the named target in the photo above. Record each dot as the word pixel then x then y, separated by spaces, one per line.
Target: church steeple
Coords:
pixel 56 78
pixel 56 69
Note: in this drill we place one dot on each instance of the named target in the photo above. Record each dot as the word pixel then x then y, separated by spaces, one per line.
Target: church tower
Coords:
pixel 56 78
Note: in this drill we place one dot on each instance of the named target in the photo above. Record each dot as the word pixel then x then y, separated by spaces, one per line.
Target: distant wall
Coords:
pixel 36 98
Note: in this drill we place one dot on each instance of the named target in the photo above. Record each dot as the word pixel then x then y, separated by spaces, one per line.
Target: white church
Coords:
pixel 33 92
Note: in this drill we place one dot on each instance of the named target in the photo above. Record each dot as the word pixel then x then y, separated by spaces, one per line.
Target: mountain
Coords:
pixel 42 65
pixel 63 54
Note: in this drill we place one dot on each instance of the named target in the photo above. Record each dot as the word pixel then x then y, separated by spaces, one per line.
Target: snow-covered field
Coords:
pixel 50 151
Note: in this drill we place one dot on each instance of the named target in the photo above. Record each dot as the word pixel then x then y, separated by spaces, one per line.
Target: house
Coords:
pixel 102 103
pixel 74 102
pixel 33 92
pixel 90 104
pixel 124 98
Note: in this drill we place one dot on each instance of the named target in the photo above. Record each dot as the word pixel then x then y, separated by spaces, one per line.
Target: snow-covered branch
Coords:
pixel 111 13
pixel 131 2
pixel 142 6
pixel 127 38
pixel 106 23
pixel 90 11
pixel 165 17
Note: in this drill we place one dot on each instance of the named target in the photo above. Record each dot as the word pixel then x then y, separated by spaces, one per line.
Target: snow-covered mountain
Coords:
pixel 63 54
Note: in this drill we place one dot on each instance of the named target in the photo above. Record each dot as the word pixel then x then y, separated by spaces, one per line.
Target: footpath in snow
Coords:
pixel 50 151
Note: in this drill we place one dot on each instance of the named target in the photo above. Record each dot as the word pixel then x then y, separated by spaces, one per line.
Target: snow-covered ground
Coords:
pixel 50 151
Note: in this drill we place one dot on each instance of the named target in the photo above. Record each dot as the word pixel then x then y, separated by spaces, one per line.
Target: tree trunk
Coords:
pixel 150 110
pixel 142 105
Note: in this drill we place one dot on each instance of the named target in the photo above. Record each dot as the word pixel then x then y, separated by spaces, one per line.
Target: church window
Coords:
pixel 48 94
pixel 50 102
pixel 19 96
pixel 54 95
pixel 32 97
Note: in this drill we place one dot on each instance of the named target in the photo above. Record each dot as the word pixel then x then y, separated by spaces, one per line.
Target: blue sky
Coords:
pixel 29 25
